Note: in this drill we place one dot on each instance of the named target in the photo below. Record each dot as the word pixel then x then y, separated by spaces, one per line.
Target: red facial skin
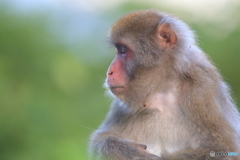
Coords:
pixel 116 74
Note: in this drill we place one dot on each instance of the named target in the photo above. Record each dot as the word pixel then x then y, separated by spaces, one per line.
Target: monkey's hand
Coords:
pixel 118 149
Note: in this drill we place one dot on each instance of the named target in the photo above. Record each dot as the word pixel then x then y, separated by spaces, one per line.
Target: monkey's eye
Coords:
pixel 122 49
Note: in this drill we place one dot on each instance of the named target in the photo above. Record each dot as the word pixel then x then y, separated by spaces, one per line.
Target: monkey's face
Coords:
pixel 117 76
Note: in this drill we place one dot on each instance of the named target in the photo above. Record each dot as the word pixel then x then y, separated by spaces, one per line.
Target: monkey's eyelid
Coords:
pixel 122 49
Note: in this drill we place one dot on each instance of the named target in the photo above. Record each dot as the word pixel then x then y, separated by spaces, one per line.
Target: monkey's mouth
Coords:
pixel 116 89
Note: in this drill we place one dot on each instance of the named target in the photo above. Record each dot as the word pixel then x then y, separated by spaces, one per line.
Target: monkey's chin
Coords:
pixel 117 90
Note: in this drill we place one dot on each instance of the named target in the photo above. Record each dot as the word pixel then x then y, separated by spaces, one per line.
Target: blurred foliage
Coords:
pixel 47 93
pixel 51 100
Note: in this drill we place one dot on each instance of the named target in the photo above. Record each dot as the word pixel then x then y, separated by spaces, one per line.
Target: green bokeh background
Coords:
pixel 51 95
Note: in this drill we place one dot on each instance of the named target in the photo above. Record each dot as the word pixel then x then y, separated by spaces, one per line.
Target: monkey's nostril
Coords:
pixel 110 73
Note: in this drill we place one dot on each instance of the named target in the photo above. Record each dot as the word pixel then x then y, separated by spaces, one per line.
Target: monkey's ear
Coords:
pixel 166 36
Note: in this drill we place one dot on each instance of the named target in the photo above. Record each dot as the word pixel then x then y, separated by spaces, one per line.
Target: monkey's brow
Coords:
pixel 119 44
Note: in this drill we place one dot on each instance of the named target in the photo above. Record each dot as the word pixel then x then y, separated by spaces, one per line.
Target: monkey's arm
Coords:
pixel 107 142
pixel 108 146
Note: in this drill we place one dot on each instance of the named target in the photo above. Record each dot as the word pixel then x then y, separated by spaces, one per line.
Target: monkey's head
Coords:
pixel 147 43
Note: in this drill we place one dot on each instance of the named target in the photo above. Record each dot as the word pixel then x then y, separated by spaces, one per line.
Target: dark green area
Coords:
pixel 51 100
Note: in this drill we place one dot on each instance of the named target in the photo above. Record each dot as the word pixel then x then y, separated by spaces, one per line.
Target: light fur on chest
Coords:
pixel 158 131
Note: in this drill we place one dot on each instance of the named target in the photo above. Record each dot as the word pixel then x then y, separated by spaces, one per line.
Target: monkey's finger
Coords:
pixel 143 146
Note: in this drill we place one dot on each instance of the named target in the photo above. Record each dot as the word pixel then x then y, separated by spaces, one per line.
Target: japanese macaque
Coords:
pixel 170 102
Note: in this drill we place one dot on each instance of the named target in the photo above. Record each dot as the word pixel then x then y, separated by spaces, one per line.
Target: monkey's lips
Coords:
pixel 116 89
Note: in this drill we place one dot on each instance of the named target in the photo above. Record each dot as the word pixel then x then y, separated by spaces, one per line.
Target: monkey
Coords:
pixel 169 100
